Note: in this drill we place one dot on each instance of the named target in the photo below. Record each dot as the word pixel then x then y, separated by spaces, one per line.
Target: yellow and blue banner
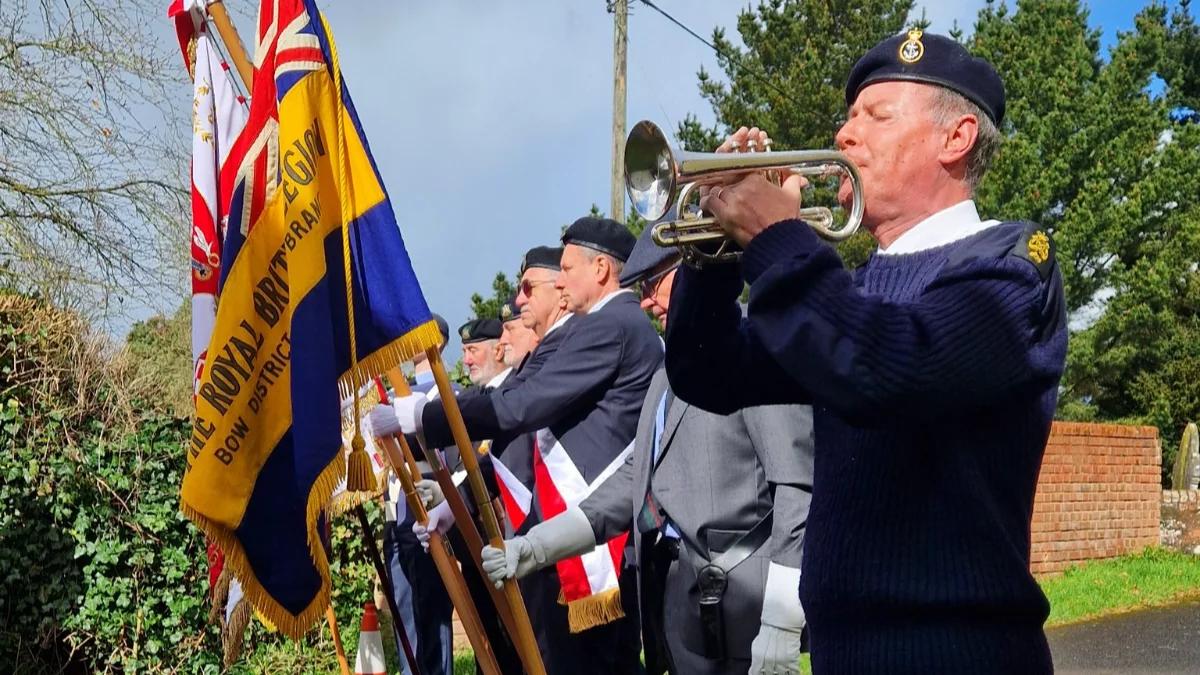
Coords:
pixel 266 449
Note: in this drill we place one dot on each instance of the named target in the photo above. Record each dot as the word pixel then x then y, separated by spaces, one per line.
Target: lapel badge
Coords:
pixel 1039 247
pixel 912 49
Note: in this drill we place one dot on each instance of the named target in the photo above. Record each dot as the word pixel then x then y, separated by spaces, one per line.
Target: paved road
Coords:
pixel 1164 640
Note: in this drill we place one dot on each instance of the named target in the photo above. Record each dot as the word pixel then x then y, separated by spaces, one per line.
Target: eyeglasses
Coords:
pixel 528 286
pixel 649 284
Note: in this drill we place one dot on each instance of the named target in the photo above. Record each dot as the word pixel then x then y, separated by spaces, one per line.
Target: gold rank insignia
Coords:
pixel 466 333
pixel 912 49
pixel 1039 247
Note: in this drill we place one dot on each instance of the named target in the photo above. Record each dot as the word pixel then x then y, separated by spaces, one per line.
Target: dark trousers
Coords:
pixel 431 604
pixel 611 649
pixel 656 560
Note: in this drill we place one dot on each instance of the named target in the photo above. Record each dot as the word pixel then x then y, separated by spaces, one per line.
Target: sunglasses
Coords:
pixel 528 286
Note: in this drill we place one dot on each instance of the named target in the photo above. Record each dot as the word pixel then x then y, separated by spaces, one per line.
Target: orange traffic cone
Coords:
pixel 370 645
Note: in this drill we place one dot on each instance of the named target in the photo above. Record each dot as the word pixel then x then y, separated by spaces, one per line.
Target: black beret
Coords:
pixel 647 256
pixel 934 59
pixel 601 234
pixel 509 310
pixel 545 257
pixel 479 330
pixel 443 327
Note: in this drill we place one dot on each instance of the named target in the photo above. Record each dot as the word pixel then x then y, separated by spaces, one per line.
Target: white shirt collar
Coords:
pixel 558 324
pixel 604 301
pixel 946 226
pixel 498 380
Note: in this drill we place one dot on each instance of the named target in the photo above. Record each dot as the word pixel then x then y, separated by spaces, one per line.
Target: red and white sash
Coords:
pixel 589 581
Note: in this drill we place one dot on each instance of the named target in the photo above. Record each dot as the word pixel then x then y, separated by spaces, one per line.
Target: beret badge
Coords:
pixel 912 49
pixel 506 312
pixel 466 333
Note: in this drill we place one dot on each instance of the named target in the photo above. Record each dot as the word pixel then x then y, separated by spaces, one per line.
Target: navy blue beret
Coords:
pixel 545 257
pixel 647 256
pixel 509 310
pixel 601 234
pixel 479 330
pixel 934 59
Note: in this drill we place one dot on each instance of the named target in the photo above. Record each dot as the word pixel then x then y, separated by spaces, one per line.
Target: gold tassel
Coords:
pixel 594 610
pixel 359 474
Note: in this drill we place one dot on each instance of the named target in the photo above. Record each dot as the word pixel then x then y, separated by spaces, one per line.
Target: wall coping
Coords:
pixel 1097 429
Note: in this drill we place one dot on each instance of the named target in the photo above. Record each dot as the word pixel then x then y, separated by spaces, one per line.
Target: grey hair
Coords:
pixel 947 106
pixel 591 254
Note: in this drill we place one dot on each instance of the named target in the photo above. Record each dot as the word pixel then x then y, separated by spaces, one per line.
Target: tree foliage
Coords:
pixel 1090 152
pixel 91 187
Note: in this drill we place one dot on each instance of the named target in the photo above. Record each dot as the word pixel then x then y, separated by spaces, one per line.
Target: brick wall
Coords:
pixel 1098 495
pixel 1181 520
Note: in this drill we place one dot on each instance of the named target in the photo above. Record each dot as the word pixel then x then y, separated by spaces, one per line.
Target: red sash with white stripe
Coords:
pixel 589 581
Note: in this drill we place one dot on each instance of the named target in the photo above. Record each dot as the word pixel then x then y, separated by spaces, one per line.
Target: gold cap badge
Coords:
pixel 506 312
pixel 912 49
pixel 1039 247
pixel 466 333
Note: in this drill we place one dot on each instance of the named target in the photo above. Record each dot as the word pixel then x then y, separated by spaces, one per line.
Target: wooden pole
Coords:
pixel 620 40
pixel 447 566
pixel 331 619
pixel 530 659
pixel 389 587
pixel 237 52
pixel 523 638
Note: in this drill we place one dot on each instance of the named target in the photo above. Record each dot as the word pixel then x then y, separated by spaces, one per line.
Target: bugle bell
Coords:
pixel 658 177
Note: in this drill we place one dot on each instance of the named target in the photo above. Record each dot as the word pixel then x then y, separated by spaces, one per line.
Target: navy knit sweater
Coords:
pixel 934 377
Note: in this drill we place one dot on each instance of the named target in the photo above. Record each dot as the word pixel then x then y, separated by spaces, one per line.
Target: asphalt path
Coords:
pixel 1162 640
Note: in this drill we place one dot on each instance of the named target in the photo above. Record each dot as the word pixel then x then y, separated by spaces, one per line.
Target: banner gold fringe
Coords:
pixel 594 610
pixel 404 348
pixel 294 625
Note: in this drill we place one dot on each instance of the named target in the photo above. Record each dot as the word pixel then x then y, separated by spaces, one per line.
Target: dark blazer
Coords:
pixel 588 393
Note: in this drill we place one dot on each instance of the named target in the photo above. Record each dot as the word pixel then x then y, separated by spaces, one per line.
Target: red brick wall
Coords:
pixel 1098 496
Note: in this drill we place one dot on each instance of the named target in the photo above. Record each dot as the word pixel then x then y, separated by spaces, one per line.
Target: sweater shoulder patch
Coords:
pixel 1036 246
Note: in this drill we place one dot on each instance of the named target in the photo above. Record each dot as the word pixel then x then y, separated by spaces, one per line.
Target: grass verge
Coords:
pixel 1150 578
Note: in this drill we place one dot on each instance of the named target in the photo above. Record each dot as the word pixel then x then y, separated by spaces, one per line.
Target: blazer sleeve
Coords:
pixel 610 507
pixel 576 374
pixel 783 440
pixel 713 359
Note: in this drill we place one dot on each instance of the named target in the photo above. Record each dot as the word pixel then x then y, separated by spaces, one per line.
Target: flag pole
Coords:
pixel 524 638
pixel 233 44
pixel 389 586
pixel 447 566
pixel 531 659
pixel 331 619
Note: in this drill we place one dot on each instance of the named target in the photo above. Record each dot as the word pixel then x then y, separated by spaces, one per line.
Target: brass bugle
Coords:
pixel 660 178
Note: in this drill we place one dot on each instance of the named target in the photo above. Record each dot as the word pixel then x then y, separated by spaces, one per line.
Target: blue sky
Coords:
pixel 491 121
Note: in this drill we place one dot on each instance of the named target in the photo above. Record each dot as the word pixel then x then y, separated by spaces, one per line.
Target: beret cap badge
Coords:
pixel 912 49
pixel 466 333
pixel 506 312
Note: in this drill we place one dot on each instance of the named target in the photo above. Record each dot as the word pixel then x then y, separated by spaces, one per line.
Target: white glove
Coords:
pixel 565 535
pixel 383 420
pixel 430 493
pixel 408 412
pixel 441 518
pixel 776 648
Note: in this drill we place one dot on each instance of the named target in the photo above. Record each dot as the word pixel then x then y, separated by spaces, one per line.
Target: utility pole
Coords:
pixel 620 10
